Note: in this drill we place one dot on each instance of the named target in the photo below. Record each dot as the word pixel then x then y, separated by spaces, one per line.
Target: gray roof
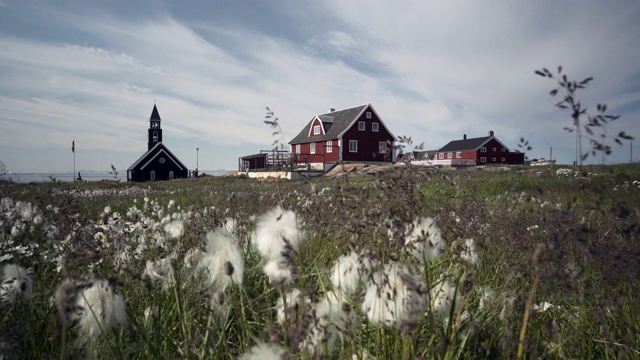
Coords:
pixel 465 144
pixel 334 124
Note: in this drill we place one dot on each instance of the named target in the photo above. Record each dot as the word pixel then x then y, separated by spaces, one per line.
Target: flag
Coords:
pixel 73 146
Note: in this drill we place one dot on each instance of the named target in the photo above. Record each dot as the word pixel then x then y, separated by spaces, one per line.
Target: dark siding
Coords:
pixel 368 140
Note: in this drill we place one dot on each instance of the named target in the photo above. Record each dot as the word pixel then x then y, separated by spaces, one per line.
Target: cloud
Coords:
pixel 433 71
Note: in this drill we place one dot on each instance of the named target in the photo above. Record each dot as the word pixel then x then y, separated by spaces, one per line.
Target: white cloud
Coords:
pixel 433 71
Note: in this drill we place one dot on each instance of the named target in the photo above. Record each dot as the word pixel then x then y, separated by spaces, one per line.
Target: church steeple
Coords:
pixel 155 132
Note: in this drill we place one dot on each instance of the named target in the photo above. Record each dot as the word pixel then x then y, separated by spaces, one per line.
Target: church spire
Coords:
pixel 155 131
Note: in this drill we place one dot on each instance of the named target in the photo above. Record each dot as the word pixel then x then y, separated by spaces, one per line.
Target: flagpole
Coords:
pixel 73 149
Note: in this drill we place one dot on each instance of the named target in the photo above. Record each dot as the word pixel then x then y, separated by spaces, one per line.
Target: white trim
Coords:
pixel 382 147
pixel 317 129
pixel 329 146
pixel 312 148
pixel 152 175
pixel 370 108
pixel 375 127
pixel 161 151
pixel 364 126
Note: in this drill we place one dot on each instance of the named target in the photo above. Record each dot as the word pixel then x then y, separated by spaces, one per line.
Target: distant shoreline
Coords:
pixel 86 176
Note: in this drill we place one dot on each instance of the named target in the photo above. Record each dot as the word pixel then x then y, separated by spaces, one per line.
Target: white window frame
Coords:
pixel 483 149
pixel 503 149
pixel 316 129
pixel 450 155
pixel 329 146
pixel 441 155
pixel 458 154
pixel 503 159
pixel 298 148
pixel 312 148
pixel 375 127
pixel 368 114
pixel 353 146
pixel 495 149
pixel 382 147
pixel 362 126
pixel 152 175
pixel 483 159
pixel 494 160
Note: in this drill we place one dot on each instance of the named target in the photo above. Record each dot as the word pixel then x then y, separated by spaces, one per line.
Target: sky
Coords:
pixel 432 70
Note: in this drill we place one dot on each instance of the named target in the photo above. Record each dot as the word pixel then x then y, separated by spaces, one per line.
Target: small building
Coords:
pixel 356 134
pixel 477 151
pixel 158 163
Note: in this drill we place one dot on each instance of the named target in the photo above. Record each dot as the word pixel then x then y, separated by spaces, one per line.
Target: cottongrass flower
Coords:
pixel 425 242
pixel 291 306
pixel 346 273
pixel 466 250
pixel 445 298
pixel 99 309
pixel 394 294
pixel 264 351
pixel 161 272
pixel 222 261
pixel 332 320
pixel 15 283
pixel 174 229
pixel 277 231
pixel 279 271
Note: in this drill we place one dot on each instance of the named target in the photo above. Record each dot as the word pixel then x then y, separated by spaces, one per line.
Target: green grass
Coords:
pixel 590 222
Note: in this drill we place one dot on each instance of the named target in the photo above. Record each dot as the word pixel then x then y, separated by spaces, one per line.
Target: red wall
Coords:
pixel 367 140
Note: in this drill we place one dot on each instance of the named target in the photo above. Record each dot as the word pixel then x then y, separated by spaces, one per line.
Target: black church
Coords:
pixel 158 163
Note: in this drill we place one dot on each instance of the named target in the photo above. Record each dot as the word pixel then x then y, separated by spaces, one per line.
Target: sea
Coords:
pixel 86 176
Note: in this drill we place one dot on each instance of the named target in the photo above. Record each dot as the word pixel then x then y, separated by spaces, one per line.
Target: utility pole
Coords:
pixel 197 160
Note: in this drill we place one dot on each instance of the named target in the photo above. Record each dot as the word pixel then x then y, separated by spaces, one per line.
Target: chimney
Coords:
pixel 464 137
pixel 490 132
pixel 332 110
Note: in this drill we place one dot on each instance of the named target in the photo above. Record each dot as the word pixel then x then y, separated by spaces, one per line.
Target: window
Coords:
pixel 361 125
pixel 441 155
pixel 483 149
pixel 353 146
pixel 313 148
pixel 155 136
pixel 368 114
pixel 493 159
pixel 483 159
pixel 329 146
pixel 171 175
pixel 458 154
pixel 316 130
pixel 503 159
pixel 152 175
pixel 503 150
pixel 298 148
pixel 374 127
pixel 382 147
pixel 449 155
pixel 494 149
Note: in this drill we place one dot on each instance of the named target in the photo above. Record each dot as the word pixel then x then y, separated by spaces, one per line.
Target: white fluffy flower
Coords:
pixel 15 283
pixel 264 351
pixel 223 261
pixel 174 229
pixel 279 271
pixel 332 318
pixel 468 253
pixel 345 274
pixel 442 299
pixel 100 309
pixel 274 230
pixel 393 295
pixel 160 272
pixel 291 306
pixel 425 241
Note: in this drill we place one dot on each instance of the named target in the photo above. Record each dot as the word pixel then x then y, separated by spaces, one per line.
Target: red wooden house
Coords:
pixel 356 134
pixel 477 151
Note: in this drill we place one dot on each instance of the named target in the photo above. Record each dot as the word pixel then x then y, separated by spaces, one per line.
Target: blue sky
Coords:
pixel 432 70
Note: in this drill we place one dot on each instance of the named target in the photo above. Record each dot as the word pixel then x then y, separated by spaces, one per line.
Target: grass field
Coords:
pixel 403 264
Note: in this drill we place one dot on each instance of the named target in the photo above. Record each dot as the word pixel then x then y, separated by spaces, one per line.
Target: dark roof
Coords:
pixel 154 113
pixel 152 153
pixel 338 122
pixel 465 144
